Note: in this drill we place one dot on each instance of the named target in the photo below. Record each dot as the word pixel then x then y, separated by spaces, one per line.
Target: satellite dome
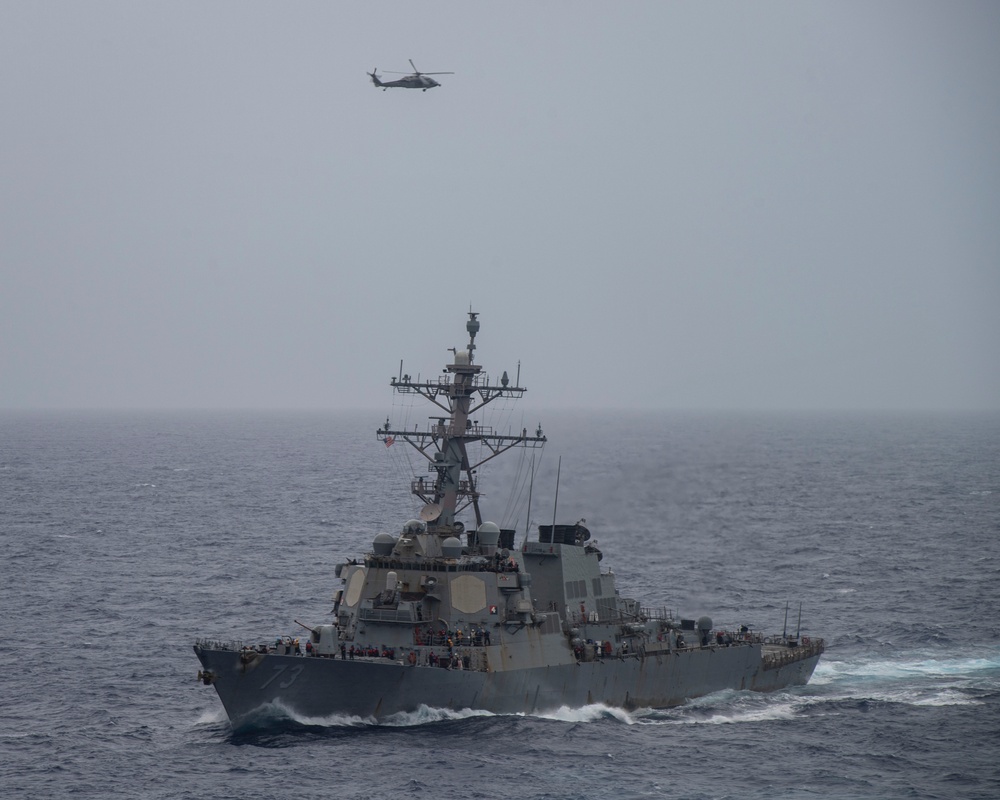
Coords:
pixel 488 534
pixel 414 526
pixel 462 357
pixel 451 547
pixel 383 544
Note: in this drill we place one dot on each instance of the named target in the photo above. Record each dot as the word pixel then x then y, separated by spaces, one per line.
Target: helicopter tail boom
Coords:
pixel 374 77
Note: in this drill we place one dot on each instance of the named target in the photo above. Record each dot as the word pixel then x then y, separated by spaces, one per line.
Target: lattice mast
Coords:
pixel 461 392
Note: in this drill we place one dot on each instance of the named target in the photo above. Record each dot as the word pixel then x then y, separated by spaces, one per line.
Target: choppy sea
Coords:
pixel 127 535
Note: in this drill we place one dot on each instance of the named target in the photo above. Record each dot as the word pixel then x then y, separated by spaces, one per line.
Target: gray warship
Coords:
pixel 442 617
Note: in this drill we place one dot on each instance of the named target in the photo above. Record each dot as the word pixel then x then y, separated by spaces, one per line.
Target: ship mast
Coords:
pixel 460 392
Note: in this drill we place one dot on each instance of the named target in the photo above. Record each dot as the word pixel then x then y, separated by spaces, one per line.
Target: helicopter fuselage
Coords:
pixel 409 82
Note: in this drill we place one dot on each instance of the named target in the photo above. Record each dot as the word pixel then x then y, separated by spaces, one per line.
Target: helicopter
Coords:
pixel 416 80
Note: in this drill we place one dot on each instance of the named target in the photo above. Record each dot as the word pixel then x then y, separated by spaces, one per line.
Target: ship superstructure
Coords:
pixel 439 616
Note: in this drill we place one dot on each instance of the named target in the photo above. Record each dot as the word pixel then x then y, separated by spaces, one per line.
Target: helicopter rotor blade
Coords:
pixel 416 72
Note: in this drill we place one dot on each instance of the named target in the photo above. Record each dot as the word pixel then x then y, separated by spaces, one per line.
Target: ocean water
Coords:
pixel 127 535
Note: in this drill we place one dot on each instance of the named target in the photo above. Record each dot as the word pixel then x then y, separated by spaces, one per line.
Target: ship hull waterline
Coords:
pixel 318 688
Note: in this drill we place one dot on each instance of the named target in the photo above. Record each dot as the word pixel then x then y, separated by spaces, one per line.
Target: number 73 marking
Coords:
pixel 278 670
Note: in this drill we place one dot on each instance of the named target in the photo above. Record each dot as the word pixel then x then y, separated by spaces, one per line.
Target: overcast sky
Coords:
pixel 652 204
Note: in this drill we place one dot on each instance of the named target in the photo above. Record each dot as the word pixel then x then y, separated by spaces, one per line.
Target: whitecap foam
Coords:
pixel 946 697
pixel 211 717
pixel 723 697
pixel 906 695
pixel 767 713
pixel 765 708
pixel 277 712
pixel 828 671
pixel 424 715
pixel 590 713
pixel 931 681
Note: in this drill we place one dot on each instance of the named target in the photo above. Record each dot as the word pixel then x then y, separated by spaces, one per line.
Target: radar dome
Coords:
pixel 414 526
pixel 488 534
pixel 462 357
pixel 451 547
pixel 704 623
pixel 383 544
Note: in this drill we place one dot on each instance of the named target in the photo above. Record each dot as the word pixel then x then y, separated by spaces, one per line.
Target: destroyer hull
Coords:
pixel 376 689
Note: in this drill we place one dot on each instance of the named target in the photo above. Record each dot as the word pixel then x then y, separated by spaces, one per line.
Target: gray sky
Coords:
pixel 652 204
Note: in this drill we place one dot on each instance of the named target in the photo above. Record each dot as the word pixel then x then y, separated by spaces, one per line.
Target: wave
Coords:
pixel 211 717
pixel 830 670
pixel 725 707
pixel 277 715
pixel 728 708
pixel 591 713
pixel 426 715
pixel 912 679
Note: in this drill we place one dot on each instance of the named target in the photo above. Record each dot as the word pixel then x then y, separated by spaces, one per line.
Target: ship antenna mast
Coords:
pixel 531 488
pixel 555 505
pixel 445 443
